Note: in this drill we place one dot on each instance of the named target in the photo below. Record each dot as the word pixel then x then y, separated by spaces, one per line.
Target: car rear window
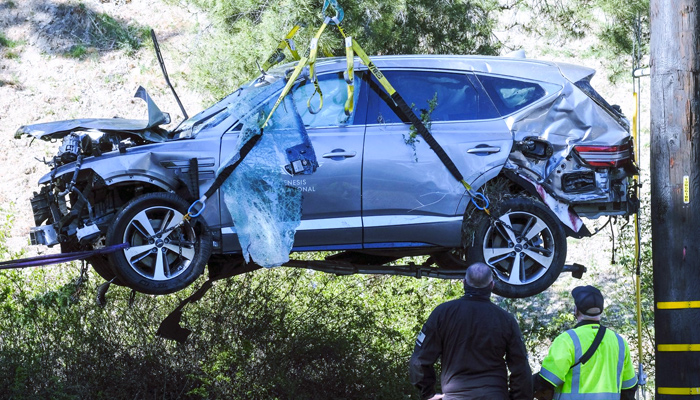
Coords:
pixel 510 95
pixel 455 97
pixel 585 86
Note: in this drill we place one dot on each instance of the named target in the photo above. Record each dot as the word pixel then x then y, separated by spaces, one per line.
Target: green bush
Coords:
pixel 89 30
pixel 247 31
pixel 77 51
pixel 279 334
pixel 5 42
pixel 112 33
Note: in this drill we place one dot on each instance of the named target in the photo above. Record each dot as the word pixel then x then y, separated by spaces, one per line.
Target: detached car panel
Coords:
pixel 534 137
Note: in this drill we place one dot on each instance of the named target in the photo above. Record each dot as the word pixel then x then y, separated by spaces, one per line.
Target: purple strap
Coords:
pixel 60 258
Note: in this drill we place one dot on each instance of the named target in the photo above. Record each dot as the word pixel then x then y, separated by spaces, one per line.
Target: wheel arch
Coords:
pixel 115 194
pixel 497 180
pixel 135 275
pixel 522 185
pixel 486 235
pixel 149 178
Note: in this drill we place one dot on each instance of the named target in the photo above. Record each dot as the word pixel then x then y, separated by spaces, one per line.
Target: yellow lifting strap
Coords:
pixel 638 288
pixel 303 62
pixel 637 260
pixel 277 55
pixel 476 197
pixel 309 59
pixel 349 76
pixel 352 47
pixel 312 52
pixel 637 73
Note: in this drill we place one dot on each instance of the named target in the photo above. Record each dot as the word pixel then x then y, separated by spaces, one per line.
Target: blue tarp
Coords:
pixel 266 211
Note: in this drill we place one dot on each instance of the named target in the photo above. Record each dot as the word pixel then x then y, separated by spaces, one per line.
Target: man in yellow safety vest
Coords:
pixel 589 362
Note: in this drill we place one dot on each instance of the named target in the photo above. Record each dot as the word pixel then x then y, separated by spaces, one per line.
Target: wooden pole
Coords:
pixel 675 195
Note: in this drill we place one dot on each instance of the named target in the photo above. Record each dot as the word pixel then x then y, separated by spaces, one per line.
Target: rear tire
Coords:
pixel 526 259
pixel 158 261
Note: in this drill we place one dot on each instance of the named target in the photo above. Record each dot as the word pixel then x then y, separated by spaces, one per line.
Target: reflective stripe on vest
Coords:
pixel 551 377
pixel 620 358
pixel 576 372
pixel 630 382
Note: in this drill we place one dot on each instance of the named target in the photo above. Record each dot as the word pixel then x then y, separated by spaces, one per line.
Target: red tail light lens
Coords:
pixel 605 156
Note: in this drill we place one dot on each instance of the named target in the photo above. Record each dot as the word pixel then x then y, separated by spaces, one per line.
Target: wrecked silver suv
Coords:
pixel 534 137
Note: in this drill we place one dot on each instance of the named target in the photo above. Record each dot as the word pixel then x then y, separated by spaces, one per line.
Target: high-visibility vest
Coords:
pixel 602 377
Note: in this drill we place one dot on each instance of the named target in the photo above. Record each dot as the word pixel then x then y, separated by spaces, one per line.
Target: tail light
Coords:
pixel 606 156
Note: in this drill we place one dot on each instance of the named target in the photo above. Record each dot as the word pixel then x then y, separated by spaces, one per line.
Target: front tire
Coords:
pixel 159 260
pixel 524 244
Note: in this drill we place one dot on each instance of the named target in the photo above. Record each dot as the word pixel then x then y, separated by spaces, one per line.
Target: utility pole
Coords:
pixel 675 195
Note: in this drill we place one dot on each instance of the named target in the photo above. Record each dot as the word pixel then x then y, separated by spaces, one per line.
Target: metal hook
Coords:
pixel 339 13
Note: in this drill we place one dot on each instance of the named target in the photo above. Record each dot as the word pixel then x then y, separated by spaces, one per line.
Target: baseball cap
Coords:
pixel 588 300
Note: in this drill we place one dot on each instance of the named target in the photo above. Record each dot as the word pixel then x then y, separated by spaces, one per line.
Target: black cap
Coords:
pixel 588 300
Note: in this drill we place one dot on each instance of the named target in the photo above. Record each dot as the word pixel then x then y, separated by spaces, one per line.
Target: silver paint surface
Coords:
pixel 369 190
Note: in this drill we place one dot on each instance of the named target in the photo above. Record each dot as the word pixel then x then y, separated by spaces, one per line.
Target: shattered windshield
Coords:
pixel 209 117
pixel 239 101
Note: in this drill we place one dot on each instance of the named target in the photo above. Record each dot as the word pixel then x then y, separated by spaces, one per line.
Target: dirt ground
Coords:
pixel 39 83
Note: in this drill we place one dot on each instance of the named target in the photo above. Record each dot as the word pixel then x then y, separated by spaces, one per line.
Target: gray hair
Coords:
pixel 479 275
pixel 583 317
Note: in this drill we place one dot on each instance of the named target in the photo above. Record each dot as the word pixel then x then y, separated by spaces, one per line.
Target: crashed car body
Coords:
pixel 533 136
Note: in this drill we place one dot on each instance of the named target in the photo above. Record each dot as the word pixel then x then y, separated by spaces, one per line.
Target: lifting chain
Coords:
pixel 82 278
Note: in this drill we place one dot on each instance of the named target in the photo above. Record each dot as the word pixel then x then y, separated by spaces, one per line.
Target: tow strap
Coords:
pixel 277 55
pixel 478 199
pixel 49 259
pixel 170 327
pixel 195 210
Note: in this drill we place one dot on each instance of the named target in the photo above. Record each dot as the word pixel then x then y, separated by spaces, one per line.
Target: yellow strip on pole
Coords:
pixel 677 305
pixel 679 391
pixel 679 347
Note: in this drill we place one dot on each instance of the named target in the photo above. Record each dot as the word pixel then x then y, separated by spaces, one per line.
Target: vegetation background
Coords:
pixel 282 333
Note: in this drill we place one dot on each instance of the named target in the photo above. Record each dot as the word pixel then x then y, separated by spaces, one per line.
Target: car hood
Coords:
pixel 138 127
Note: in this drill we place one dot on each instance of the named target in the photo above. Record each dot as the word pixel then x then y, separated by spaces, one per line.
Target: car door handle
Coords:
pixel 484 149
pixel 340 154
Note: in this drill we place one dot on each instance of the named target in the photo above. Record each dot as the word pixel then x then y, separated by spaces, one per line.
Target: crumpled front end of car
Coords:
pixel 71 202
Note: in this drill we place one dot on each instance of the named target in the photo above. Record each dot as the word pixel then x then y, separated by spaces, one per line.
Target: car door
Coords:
pixel 331 207
pixel 409 197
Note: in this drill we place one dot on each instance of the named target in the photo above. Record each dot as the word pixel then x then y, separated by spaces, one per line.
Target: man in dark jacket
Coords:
pixel 476 340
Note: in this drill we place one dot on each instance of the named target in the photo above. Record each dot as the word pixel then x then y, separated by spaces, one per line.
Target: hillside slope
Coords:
pixel 41 79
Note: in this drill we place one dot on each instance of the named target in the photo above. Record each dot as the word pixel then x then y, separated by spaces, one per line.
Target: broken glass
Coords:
pixel 267 211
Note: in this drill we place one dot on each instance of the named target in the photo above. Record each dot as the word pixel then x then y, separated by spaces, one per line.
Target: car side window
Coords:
pixel 454 97
pixel 510 95
pixel 335 94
